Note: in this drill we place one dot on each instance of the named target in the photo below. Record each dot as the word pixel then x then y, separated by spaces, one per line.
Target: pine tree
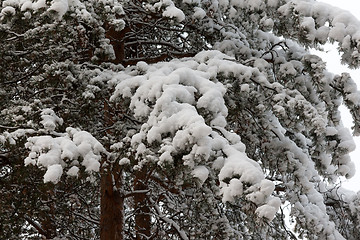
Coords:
pixel 175 120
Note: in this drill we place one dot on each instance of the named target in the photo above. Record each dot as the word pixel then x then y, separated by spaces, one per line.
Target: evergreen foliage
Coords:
pixel 175 119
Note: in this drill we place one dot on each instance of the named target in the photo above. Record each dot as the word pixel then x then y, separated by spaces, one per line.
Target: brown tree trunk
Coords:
pixel 142 209
pixel 112 207
pixel 47 223
pixel 117 41
pixel 112 199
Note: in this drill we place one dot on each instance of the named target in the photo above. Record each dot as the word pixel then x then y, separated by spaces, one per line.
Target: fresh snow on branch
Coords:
pixel 71 150
pixel 215 112
pixel 182 104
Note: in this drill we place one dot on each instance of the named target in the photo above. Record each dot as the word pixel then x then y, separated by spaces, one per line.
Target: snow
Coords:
pixel 199 13
pixel 38 5
pixel 201 172
pixel 124 161
pixel 281 101
pixel 255 4
pixel 63 151
pixel 53 173
pixel 338 32
pixel 245 88
pixel 267 211
pixel 59 6
pixel 25 5
pixel 273 3
pixel 237 163
pixel 195 2
pixel 50 120
pixel 218 163
pixel 73 171
pixel 331 131
pixel 288 69
pixel 324 22
pixel 89 148
pixel 179 122
pixel 174 12
pixel 348 142
pixel 231 190
pixel 12 3
pixel 171 11
pixel 8 10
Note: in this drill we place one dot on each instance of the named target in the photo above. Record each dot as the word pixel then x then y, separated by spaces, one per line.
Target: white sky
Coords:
pixel 333 64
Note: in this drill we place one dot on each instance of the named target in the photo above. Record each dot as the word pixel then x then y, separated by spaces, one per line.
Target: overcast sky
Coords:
pixel 333 64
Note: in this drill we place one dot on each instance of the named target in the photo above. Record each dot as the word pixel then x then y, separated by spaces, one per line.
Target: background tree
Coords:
pixel 175 120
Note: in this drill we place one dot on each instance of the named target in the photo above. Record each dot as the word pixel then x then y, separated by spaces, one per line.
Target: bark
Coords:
pixel 47 222
pixel 112 200
pixel 112 207
pixel 117 41
pixel 142 209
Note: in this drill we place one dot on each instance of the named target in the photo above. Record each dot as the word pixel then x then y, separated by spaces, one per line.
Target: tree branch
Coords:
pixel 36 225
pixel 173 224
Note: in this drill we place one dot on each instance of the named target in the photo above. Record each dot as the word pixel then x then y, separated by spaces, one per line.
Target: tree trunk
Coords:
pixel 112 200
pixel 142 209
pixel 112 207
pixel 47 222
